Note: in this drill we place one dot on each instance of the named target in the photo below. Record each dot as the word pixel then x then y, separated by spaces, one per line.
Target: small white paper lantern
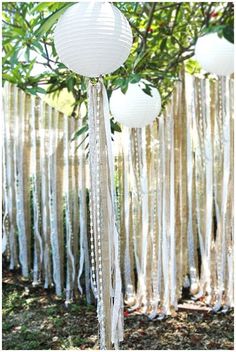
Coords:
pixel 93 38
pixel 215 54
pixel 135 108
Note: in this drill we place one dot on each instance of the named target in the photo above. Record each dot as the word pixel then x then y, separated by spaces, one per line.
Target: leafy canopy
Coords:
pixel 164 38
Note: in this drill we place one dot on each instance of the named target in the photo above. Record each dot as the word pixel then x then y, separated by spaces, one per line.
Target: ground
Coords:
pixel 34 319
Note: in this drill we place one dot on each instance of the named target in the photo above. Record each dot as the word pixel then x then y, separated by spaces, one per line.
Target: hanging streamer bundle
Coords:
pixel 104 232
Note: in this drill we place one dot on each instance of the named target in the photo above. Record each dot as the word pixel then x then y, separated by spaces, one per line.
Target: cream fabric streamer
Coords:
pixel 117 313
pixel 191 249
pixel 54 236
pixel 44 159
pixel 38 244
pixel 128 251
pixel 70 264
pixel 19 98
pixel 173 300
pixel 144 204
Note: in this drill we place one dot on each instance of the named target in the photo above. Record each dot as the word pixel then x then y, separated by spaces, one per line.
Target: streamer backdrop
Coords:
pixel 174 199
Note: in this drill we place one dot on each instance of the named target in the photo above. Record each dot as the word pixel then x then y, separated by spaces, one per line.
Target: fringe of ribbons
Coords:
pixel 181 210
pixel 160 220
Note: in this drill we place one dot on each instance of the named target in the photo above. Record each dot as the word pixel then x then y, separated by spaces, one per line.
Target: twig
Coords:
pixel 228 8
pixel 145 35
pixel 149 22
pixel 176 16
pixel 166 6
pixel 136 29
pixel 11 24
pixel 208 15
pixel 47 55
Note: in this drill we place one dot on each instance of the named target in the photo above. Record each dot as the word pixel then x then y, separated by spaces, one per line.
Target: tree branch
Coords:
pixel 11 24
pixel 149 22
pixel 228 8
pixel 208 15
pixel 176 16
pixel 47 55
pixel 136 29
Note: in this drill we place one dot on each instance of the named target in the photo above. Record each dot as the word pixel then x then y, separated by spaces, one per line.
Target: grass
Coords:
pixel 35 319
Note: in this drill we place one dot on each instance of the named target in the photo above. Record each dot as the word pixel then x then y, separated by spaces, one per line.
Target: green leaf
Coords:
pixel 41 90
pixel 30 67
pixel 225 31
pixel 192 66
pixel 62 66
pixel 31 90
pixel 27 54
pixel 14 58
pixel 115 126
pixel 228 33
pixel 141 59
pixel 9 78
pixel 134 78
pixel 147 90
pixel 16 73
pixel 79 132
pixel 163 44
pixel 18 31
pixel 118 82
pixel 70 81
pixel 213 29
pixel 41 7
pixel 83 140
pixel 38 46
pixel 124 86
pixel 51 20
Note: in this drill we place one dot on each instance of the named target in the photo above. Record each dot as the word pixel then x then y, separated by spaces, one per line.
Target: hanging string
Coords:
pixel 70 265
pixel 128 251
pixel 83 223
pixel 94 155
pixel 44 159
pixel 54 236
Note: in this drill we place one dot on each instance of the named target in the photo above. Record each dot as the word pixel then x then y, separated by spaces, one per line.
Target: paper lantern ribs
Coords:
pixel 93 38
pixel 135 108
pixel 215 54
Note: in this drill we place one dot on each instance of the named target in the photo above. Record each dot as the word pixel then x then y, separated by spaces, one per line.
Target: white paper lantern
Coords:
pixel 215 55
pixel 135 108
pixel 93 38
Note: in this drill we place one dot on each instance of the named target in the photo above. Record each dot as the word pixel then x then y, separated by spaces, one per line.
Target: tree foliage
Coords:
pixel 164 38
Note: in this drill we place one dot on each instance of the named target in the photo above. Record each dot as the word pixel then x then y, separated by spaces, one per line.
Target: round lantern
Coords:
pixel 215 54
pixel 93 38
pixel 135 108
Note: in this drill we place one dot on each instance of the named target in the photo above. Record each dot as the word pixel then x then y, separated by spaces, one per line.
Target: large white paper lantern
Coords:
pixel 135 108
pixel 215 54
pixel 93 38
